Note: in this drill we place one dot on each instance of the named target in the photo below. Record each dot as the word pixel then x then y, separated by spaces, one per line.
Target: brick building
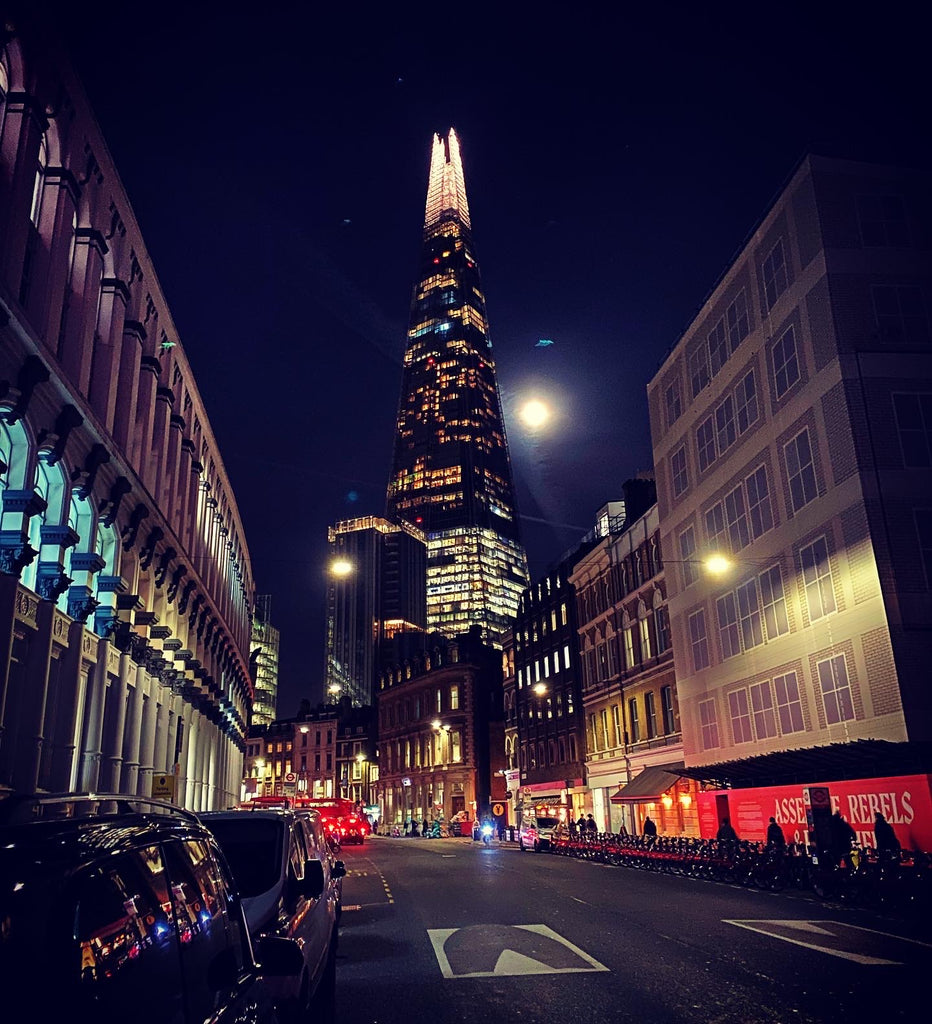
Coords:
pixel 792 432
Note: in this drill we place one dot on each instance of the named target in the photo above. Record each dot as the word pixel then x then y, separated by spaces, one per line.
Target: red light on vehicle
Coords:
pixel 436 259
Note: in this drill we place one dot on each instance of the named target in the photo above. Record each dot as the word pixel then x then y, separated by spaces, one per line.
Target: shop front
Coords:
pixel 660 793
pixel 905 802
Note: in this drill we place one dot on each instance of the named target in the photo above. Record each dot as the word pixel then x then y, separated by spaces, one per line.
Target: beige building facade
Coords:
pixel 792 433
pixel 126 589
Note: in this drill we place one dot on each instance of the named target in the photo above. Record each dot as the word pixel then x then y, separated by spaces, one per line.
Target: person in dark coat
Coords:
pixel 775 835
pixel 884 836
pixel 581 824
pixel 726 832
pixel 843 838
pixel 650 830
pixel 590 823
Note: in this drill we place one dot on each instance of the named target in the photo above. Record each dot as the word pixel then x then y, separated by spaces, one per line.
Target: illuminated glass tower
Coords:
pixel 451 475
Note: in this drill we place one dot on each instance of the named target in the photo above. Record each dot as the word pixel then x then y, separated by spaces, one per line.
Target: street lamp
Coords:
pixel 341 567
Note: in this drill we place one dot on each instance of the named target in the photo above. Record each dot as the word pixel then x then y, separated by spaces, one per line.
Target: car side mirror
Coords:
pixel 279 957
pixel 313 886
pixel 338 870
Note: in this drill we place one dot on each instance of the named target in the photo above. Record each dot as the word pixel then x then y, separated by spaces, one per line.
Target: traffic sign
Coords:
pixel 289 776
pixel 163 787
pixel 498 810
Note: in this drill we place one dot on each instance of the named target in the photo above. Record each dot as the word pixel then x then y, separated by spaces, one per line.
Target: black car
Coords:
pixel 116 908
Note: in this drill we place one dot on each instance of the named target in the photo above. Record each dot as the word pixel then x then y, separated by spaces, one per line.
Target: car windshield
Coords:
pixel 547 822
pixel 253 848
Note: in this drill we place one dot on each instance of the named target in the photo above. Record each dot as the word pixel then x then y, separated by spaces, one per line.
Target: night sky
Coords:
pixel 615 161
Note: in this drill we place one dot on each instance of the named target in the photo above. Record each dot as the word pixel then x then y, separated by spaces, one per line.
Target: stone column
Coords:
pixel 131 731
pixel 111 754
pixel 51 581
pixel 97 687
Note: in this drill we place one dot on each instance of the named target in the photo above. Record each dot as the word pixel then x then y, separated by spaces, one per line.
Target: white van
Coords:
pixel 536 833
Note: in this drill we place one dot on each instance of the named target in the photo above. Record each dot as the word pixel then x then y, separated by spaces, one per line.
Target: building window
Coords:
pixel 746 410
pixel 603 725
pixel 566 655
pixel 718 347
pixel 662 626
pixel 774 274
pixel 699 369
pixel 644 632
pixel 773 600
pixel 687 554
pixel 900 313
pixel 699 641
pixel 883 221
pixel 628 634
pixel 789 704
pixel 454 697
pixel 666 704
pixel 728 625
pixel 817 578
pixel 914 425
pixel 715 528
pixel 673 402
pixel 456 746
pixel 737 518
pixel 785 363
pixel 616 725
pixel 740 716
pixel 439 698
pixel 708 724
pixel 752 632
pixel 765 723
pixel 836 690
pixel 678 467
pixel 923 517
pixel 736 316
pixel 725 430
pixel 634 725
pixel 759 510
pixel 705 444
pixel 800 470
pixel 650 715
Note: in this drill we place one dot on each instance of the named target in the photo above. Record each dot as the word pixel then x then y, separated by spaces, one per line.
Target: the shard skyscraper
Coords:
pixel 451 474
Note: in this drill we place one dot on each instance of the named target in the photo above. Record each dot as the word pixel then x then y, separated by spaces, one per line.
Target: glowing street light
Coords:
pixel 540 689
pixel 717 565
pixel 341 567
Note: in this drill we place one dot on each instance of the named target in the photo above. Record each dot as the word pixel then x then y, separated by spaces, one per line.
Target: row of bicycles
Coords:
pixel 863 876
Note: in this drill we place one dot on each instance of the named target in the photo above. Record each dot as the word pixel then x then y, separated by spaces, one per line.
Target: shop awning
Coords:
pixel 834 762
pixel 650 785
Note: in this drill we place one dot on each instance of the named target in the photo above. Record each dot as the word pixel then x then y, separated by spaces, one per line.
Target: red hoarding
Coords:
pixel 905 801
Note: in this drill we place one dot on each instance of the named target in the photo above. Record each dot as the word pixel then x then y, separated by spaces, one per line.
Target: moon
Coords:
pixel 534 413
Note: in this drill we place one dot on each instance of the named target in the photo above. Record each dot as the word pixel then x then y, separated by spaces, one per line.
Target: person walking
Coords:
pixel 590 824
pixel 581 824
pixel 650 830
pixel 884 837
pixel 843 838
pixel 726 832
pixel 775 835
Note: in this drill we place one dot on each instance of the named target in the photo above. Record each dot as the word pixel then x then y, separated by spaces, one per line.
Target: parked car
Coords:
pixel 537 833
pixel 115 908
pixel 282 864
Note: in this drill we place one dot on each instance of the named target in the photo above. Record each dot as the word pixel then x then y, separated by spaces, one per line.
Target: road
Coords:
pixel 447 929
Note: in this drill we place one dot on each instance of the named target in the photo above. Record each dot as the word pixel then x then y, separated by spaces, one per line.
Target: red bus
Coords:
pixel 340 817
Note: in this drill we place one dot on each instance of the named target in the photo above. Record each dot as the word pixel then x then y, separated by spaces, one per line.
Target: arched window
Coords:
pixel 50 486
pixel 38 186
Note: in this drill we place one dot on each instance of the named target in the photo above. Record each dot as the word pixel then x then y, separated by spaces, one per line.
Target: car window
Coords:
pixel 298 850
pixel 253 849
pixel 125 941
pixel 200 904
pixel 547 822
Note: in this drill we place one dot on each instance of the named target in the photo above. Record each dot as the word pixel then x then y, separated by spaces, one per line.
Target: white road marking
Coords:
pixel 823 928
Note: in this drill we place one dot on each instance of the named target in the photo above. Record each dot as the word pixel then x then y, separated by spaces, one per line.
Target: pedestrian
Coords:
pixel 884 837
pixel 581 824
pixel 650 830
pixel 572 826
pixel 775 835
pixel 725 832
pixel 843 838
pixel 590 823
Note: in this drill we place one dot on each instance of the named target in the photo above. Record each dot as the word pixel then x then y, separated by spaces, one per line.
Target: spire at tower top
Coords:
pixel 446 188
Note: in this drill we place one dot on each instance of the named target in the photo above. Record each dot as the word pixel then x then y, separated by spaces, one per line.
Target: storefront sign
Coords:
pixel 905 801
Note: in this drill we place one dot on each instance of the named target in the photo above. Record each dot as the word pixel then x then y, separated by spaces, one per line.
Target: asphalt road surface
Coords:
pixel 449 930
